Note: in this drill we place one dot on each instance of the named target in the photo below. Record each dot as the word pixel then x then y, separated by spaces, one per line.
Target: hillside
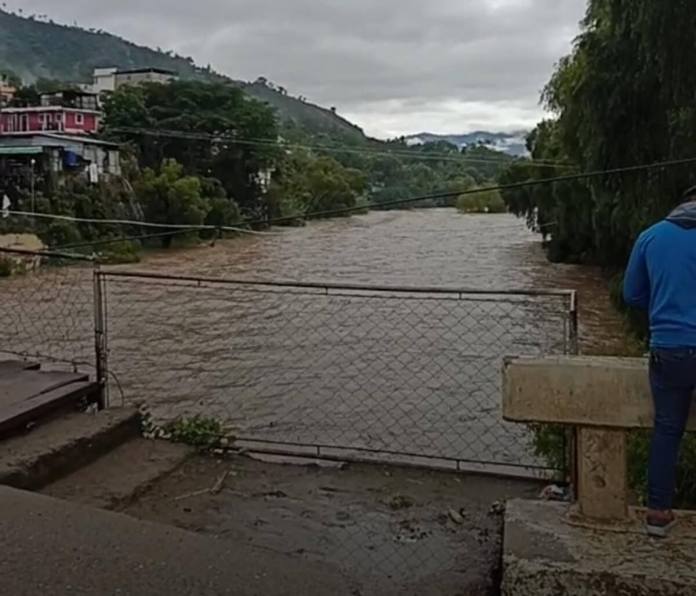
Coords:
pixel 35 49
pixel 510 143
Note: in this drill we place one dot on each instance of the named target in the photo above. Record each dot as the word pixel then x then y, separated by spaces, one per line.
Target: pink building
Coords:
pixel 48 119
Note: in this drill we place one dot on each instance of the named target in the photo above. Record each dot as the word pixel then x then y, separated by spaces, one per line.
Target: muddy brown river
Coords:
pixel 345 370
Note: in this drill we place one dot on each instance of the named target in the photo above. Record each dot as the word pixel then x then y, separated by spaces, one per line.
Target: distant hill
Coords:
pixel 36 48
pixel 510 143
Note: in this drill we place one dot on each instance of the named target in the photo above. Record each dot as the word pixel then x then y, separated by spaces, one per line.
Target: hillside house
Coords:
pixel 106 80
pixel 139 76
pixel 69 112
pixel 46 159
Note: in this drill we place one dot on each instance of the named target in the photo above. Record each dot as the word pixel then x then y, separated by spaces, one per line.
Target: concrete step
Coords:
pixel 55 547
pixel 118 477
pixel 29 395
pixel 63 444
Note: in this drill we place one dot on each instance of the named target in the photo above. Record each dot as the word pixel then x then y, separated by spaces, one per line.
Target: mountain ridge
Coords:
pixel 512 143
pixel 34 48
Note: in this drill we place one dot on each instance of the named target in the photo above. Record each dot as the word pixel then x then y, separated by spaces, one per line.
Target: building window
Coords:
pixel 79 119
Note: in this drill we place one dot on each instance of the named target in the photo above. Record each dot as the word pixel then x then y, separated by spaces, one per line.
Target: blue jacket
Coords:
pixel 661 278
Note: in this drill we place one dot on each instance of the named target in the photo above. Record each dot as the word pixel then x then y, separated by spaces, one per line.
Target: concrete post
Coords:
pixel 602 398
pixel 602 481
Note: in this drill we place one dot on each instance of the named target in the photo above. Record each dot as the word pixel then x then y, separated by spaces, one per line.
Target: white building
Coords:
pixel 103 80
pixel 106 80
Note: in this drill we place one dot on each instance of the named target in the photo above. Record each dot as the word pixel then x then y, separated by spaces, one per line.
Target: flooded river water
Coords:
pixel 341 369
pixel 411 248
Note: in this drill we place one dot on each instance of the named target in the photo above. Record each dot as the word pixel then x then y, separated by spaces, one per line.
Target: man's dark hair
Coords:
pixel 690 194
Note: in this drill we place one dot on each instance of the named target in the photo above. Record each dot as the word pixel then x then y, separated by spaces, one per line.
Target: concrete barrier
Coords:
pixel 597 545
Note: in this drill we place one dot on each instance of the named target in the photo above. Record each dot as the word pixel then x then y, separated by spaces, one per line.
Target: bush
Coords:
pixel 61 233
pixel 205 433
pixel 549 444
pixel 5 267
pixel 484 202
pixel 121 253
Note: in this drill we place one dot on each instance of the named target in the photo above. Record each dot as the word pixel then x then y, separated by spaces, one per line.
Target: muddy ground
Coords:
pixel 388 530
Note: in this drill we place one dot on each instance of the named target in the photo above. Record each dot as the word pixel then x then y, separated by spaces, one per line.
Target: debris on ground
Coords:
pixel 219 483
pixel 290 460
pixel 555 493
pixel 196 493
pixel 213 490
pixel 456 517
pixel 273 494
pixel 399 502
pixel 410 532
pixel 497 508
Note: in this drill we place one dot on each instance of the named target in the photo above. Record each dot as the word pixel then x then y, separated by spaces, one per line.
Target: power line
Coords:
pixel 107 241
pixel 417 199
pixel 453 194
pixel 127 222
pixel 504 160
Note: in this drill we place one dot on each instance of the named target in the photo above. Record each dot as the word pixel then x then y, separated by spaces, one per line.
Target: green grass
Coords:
pixel 199 431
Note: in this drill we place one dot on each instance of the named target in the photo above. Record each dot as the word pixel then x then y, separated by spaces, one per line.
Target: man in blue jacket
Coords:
pixel 661 278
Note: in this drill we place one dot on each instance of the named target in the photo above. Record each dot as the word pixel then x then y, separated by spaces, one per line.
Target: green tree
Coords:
pixel 126 109
pixel 31 94
pixel 306 183
pixel 223 210
pixel 12 77
pixel 197 124
pixel 623 97
pixel 171 197
pixel 488 201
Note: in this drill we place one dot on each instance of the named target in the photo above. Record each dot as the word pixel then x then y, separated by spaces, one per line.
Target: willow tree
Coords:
pixel 626 95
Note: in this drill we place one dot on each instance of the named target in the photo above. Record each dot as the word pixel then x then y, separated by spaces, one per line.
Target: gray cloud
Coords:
pixel 393 66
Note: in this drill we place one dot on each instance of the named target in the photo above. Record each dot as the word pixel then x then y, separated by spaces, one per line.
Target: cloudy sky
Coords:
pixel 392 66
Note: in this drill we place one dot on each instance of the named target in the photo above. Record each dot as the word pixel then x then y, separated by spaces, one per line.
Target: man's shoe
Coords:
pixel 658 524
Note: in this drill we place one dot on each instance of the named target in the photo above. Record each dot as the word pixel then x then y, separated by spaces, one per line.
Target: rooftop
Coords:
pixel 47 109
pixel 10 140
pixel 147 70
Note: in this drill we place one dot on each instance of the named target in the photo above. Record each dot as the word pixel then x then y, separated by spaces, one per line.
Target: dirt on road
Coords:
pixel 388 530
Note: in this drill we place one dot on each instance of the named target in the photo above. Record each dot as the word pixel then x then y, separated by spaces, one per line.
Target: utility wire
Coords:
pixel 107 241
pixel 503 187
pixel 504 160
pixel 417 199
pixel 127 222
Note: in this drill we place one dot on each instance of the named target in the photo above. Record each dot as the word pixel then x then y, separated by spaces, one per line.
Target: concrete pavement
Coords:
pixel 57 548
pixel 548 551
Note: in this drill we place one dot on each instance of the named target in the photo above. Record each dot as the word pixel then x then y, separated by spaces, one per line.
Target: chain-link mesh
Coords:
pixel 345 372
pixel 47 310
pixel 352 373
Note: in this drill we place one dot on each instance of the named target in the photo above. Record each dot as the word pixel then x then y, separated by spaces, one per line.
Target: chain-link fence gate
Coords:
pixel 384 374
pixel 400 375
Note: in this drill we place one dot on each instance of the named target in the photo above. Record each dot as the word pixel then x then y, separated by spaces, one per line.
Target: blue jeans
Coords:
pixel 673 381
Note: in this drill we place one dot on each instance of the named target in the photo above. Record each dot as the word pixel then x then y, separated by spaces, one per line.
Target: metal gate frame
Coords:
pixel 355 454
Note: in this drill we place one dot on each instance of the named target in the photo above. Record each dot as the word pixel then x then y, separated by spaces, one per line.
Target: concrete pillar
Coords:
pixel 602 479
